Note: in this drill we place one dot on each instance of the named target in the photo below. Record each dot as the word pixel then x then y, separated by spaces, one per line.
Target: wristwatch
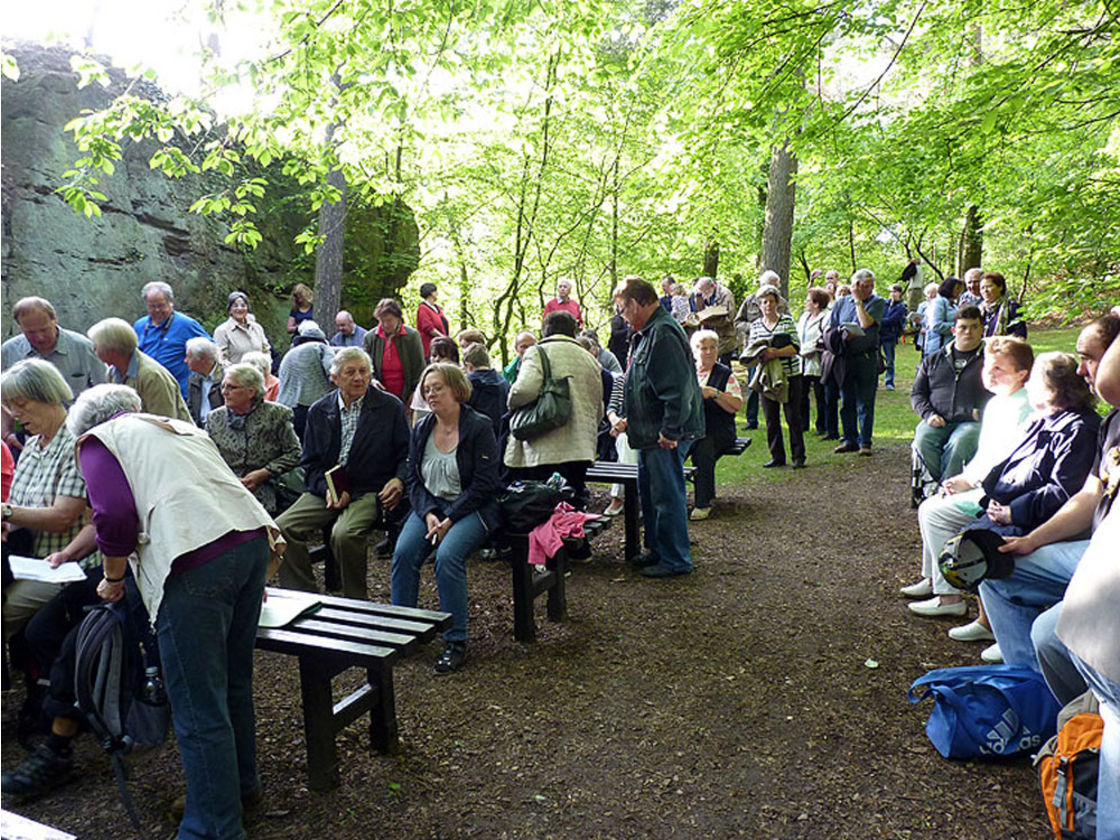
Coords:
pixel 6 511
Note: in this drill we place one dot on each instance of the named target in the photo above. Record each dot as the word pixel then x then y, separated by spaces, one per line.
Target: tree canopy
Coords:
pixel 591 139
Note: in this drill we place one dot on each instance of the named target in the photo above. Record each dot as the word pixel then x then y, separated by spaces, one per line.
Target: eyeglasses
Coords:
pixel 227 387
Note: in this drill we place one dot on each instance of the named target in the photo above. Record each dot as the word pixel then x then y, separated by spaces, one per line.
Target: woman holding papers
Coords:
pixel 453 488
pixel 47 503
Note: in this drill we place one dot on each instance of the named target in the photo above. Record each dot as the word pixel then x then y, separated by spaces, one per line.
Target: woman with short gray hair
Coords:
pixel 263 363
pixel 47 502
pixel 255 437
pixel 240 333
pixel 200 565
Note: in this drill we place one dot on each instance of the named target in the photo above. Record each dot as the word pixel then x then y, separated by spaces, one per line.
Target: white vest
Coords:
pixel 186 496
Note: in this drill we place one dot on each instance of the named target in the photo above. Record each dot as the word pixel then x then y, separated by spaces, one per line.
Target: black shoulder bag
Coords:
pixel 550 410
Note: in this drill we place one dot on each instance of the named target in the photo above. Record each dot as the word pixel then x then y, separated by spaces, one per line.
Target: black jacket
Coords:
pixel 939 389
pixel 489 395
pixel 1047 467
pixel 477 460
pixel 194 395
pixel 720 424
pixel 379 451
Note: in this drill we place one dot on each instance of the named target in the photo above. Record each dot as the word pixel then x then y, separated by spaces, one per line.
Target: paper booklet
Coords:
pixel 283 606
pixel 711 312
pixel 33 568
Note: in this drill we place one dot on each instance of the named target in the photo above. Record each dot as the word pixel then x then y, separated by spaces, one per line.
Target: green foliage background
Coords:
pixel 591 139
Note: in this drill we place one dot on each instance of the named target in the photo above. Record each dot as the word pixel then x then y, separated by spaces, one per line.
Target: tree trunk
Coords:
pixel 711 257
pixel 328 256
pixel 777 235
pixel 614 227
pixel 972 241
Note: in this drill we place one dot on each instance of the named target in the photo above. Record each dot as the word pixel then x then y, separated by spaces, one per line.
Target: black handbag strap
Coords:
pixel 546 368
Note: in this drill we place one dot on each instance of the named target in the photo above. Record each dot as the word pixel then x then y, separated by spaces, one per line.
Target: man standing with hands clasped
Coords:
pixel 664 415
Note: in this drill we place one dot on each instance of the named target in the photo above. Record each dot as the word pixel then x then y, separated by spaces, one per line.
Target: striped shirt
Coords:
pixel 759 331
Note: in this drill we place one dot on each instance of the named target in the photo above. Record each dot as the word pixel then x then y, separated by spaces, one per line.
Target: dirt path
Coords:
pixel 732 703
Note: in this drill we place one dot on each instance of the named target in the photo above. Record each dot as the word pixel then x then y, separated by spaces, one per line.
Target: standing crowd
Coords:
pixel 180 472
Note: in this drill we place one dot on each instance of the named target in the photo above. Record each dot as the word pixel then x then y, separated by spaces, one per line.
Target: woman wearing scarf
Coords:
pixel 254 437
pixel 1001 314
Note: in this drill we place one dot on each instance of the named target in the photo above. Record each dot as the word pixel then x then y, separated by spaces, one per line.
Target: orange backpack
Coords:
pixel 1067 768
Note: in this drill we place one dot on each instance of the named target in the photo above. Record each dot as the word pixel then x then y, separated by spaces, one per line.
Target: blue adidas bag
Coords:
pixel 987 711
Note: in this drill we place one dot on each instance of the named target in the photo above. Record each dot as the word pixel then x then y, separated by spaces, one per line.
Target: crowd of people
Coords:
pixel 404 429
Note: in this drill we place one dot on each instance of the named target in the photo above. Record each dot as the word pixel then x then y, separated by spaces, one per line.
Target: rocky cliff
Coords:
pixel 94 268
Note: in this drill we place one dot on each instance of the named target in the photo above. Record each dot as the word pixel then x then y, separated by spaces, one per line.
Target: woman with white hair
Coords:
pixel 47 502
pixel 722 400
pixel 200 566
pixel 240 334
pixel 254 437
pixel 114 342
pixel 263 363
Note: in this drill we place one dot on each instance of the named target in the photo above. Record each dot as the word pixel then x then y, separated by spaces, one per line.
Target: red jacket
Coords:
pixel 430 322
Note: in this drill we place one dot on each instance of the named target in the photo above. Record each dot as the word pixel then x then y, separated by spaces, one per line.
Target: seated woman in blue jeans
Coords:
pixel 453 489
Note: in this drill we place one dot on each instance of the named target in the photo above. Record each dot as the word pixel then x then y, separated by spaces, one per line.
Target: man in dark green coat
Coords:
pixel 664 414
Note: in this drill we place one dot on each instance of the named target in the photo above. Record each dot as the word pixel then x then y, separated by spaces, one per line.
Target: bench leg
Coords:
pixel 383 735
pixel 318 724
pixel 631 511
pixel 557 594
pixel 524 628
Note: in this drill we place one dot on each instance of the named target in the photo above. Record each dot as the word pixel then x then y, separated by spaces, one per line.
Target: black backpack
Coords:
pixel 118 683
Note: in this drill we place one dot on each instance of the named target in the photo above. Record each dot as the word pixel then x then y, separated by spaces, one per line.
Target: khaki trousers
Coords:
pixel 306 519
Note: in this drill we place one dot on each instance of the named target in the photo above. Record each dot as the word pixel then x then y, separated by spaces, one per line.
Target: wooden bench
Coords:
pixel 615 472
pixel 530 581
pixel 343 634
pixel 741 445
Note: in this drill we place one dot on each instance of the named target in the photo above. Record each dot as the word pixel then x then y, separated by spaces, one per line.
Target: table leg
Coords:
pixel 318 724
pixel 524 628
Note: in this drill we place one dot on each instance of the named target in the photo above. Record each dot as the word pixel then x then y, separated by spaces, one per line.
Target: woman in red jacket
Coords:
pixel 430 320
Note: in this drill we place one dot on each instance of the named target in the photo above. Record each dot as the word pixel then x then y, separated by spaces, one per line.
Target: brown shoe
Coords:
pixel 846 447
pixel 865 450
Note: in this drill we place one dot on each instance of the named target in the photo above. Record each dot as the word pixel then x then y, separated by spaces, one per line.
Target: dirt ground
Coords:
pixel 737 702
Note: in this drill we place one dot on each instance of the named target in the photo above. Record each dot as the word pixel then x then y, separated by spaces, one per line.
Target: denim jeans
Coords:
pixel 665 504
pixel 1014 602
pixel 1054 658
pixel 858 399
pixel 888 347
pixel 207 627
pixel 464 537
pixel 945 450
pixel 1108 773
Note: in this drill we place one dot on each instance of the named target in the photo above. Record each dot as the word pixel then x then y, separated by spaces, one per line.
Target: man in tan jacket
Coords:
pixel 569 450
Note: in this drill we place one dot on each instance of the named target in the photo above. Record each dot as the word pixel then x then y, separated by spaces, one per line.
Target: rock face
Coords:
pixel 94 268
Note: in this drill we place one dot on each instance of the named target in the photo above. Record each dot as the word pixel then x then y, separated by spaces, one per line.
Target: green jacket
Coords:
pixel 409 349
pixel 662 394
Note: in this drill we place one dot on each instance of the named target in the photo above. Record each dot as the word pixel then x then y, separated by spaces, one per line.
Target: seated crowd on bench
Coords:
pixel 405 430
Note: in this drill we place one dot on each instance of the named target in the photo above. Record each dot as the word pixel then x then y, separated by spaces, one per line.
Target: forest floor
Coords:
pixel 764 696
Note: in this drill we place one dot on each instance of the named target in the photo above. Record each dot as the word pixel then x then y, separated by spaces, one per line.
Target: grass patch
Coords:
pixel 894 418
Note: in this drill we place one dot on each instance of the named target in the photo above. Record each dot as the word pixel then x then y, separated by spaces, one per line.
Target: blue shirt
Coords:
pixel 844 312
pixel 167 342
pixel 355 338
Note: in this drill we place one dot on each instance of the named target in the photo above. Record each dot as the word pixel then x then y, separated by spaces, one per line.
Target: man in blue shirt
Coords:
pixel 163 333
pixel 349 333
pixel 862 309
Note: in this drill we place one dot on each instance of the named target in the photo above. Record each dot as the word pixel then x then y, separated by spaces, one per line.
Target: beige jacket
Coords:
pixel 186 497
pixel 158 389
pixel 234 340
pixel 574 441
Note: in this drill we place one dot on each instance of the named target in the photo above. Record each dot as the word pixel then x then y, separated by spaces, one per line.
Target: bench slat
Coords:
pixel 359 634
pixel 420 629
pixel 294 642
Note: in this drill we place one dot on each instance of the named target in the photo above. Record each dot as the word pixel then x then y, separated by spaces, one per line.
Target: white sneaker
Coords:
pixel 921 589
pixel 934 607
pixel 974 631
pixel 992 654
pixel 700 513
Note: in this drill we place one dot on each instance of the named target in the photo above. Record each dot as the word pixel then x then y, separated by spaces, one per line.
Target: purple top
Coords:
pixel 114 511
